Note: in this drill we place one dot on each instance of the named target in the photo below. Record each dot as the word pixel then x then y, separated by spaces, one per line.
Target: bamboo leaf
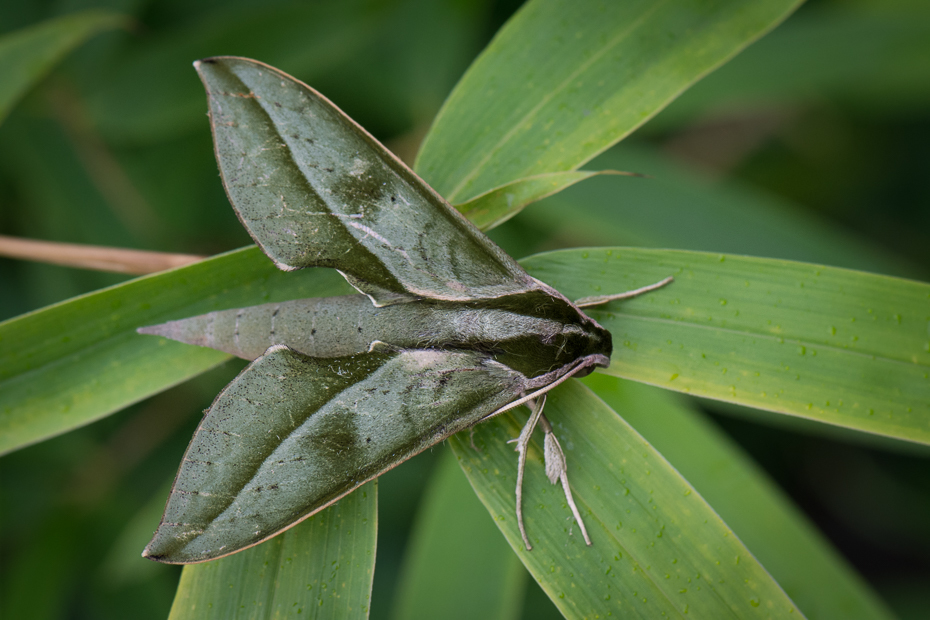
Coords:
pixel 74 362
pixel 562 81
pixel 71 363
pixel 791 549
pixel 321 568
pixel 485 580
pixel 659 550
pixel 502 203
pixel 27 55
pixel 838 346
pixel 664 211
pixel 870 55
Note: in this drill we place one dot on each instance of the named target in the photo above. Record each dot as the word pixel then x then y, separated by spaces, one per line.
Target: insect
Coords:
pixel 448 329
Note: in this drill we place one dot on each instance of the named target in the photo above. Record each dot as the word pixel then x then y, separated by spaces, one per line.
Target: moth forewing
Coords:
pixel 292 434
pixel 314 189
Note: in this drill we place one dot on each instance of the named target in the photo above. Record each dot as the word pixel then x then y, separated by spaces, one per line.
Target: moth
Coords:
pixel 447 331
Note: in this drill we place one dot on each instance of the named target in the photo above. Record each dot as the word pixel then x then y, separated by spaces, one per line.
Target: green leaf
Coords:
pixel 666 210
pixel 71 363
pixel 838 346
pixel 27 55
pixel 149 95
pixel 790 548
pixel 502 203
pixel 659 550
pixel 869 54
pixel 457 564
pixel 321 568
pixel 563 80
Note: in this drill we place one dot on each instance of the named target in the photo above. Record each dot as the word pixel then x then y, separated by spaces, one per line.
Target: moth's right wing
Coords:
pixel 292 434
pixel 314 189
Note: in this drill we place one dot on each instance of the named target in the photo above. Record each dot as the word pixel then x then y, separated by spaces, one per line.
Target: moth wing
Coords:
pixel 314 189
pixel 292 434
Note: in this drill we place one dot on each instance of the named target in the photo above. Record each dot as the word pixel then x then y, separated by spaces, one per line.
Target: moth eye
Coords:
pixel 584 372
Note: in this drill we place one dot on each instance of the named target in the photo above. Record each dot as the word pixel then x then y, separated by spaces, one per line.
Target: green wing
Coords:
pixel 316 190
pixel 292 434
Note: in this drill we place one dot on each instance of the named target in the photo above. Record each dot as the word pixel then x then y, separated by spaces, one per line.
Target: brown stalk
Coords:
pixel 116 260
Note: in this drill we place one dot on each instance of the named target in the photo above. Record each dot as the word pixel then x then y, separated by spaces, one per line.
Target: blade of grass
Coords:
pixel 667 209
pixel 659 550
pixel 869 55
pixel 563 80
pixel 838 346
pixel 828 344
pixel 150 95
pixel 815 576
pixel 502 203
pixel 321 568
pixel 27 55
pixel 71 363
pixel 457 565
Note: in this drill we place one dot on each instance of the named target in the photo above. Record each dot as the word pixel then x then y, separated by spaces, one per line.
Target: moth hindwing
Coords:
pixel 449 330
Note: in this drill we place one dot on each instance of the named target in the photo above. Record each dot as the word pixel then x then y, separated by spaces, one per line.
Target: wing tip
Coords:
pixel 182 331
pixel 168 330
pixel 151 552
pixel 149 330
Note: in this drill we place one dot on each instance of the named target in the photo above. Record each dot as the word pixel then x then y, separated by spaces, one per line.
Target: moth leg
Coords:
pixel 471 439
pixel 556 470
pixel 523 441
pixel 597 300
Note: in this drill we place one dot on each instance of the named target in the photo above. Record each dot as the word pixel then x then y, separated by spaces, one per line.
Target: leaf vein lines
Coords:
pixel 272 582
pixel 620 36
pixel 647 573
pixel 765 336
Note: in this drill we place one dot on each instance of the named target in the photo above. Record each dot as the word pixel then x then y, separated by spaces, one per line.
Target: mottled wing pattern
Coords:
pixel 315 189
pixel 365 414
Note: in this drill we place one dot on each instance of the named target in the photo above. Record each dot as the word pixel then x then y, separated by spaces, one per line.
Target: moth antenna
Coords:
pixel 523 441
pixel 557 470
pixel 586 302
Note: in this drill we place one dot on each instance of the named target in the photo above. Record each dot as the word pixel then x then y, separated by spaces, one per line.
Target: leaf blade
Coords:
pixel 665 210
pixel 483 580
pixel 834 345
pixel 27 55
pixel 657 546
pixel 71 363
pixel 790 547
pixel 502 203
pixel 594 71
pixel 323 567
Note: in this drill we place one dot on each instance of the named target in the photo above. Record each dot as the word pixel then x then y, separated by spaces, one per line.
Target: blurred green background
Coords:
pixel 814 144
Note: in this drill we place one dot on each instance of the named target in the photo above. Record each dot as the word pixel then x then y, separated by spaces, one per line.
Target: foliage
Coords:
pixel 110 150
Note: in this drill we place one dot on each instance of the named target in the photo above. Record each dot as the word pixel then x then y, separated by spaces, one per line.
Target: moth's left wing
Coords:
pixel 315 189
pixel 292 434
